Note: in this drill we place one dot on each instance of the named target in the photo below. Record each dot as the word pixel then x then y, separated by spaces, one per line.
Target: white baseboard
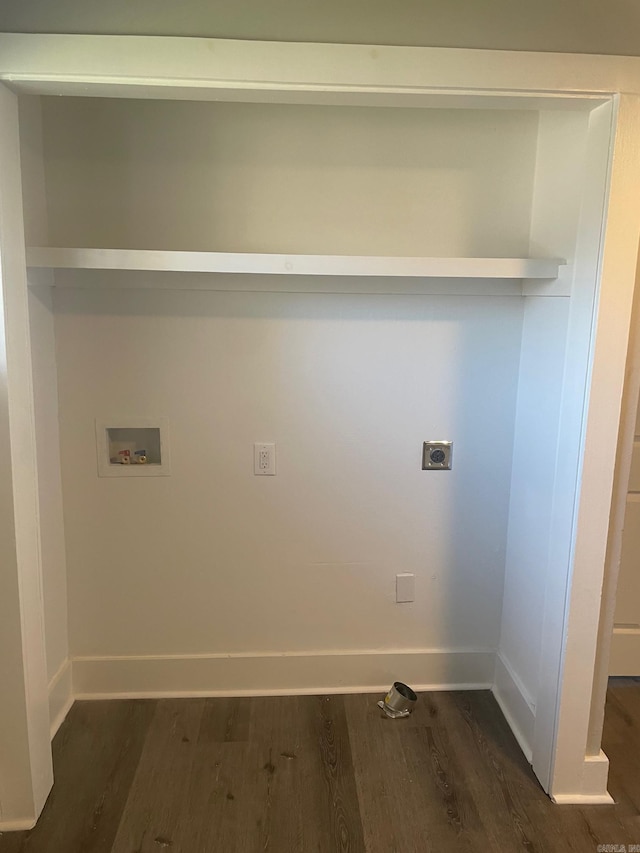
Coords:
pixel 593 789
pixel 304 673
pixel 624 658
pixel 272 674
pixel 60 696
pixel 516 704
pixel 583 800
pixel 17 825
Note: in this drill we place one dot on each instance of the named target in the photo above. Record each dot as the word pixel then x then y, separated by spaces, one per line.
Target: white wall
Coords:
pixel 45 392
pixel 531 508
pixel 570 26
pixel 213 559
pixel 25 752
pixel 561 176
pixel 281 178
pixel 625 644
pixel 571 176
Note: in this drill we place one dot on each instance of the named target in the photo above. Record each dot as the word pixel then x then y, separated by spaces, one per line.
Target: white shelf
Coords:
pixel 267 264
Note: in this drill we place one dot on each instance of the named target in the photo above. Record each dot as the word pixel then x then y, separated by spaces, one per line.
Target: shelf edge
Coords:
pixel 279 264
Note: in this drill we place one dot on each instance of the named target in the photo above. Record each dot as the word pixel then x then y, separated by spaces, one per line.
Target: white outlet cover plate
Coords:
pixel 264 459
pixel 405 587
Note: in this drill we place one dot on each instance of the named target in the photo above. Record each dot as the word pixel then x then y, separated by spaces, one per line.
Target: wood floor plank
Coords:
pixel 231 794
pixel 157 800
pixel 495 770
pixel 95 756
pixel 549 827
pixel 220 788
pixel 337 771
pixel 225 720
pixel 222 799
pixel 294 814
pixel 621 743
pixel 312 774
pixel 449 810
pixel 310 798
pixel 385 788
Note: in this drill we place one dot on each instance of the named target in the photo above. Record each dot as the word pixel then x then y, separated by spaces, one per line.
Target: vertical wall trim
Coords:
pixel 610 315
pixel 25 750
pixel 561 575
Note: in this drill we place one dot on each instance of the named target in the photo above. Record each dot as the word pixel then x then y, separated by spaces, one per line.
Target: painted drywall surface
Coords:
pixel 625 643
pixel 25 749
pixel 348 387
pixel 214 559
pixel 14 745
pixel 534 467
pixel 561 176
pixel 283 178
pixel 570 26
pixel 628 599
pixel 45 391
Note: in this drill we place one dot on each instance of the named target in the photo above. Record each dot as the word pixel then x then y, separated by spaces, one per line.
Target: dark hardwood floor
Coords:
pixel 319 773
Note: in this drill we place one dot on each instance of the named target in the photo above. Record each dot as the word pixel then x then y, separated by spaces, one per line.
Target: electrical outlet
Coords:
pixel 436 455
pixel 264 460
